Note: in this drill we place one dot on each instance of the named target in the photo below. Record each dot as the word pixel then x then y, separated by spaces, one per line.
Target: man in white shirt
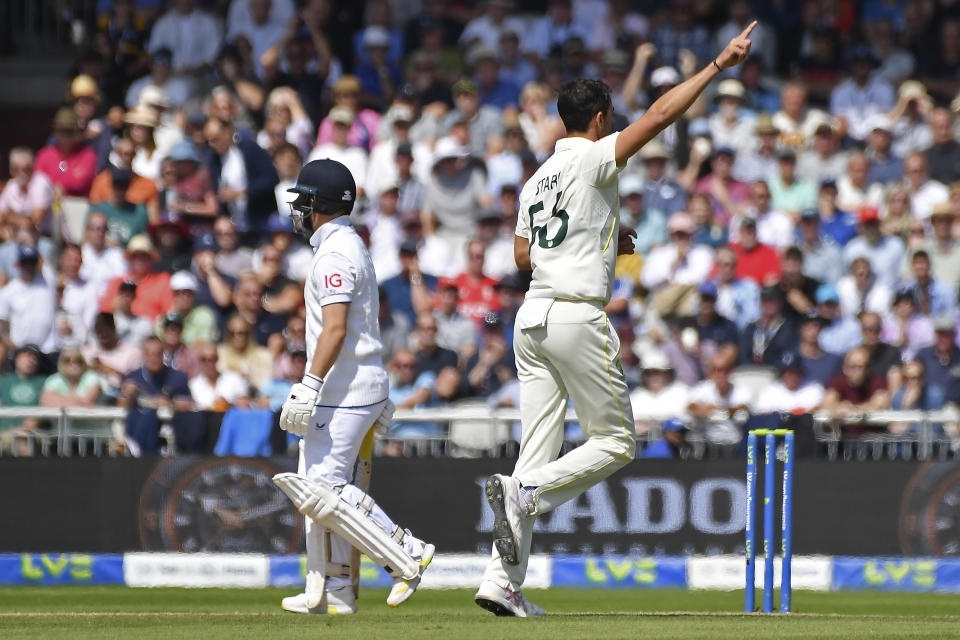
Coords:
pixel 861 96
pixel 341 397
pixel 487 28
pixel 338 149
pixel 790 393
pixel 718 394
pixel 192 35
pixel 28 306
pixel 216 390
pixel 925 192
pixel 672 272
pixel 774 228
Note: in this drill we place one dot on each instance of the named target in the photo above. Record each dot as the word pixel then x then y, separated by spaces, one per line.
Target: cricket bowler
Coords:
pixel 568 233
pixel 342 394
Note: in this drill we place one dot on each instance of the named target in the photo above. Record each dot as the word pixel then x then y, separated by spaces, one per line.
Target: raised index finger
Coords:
pixel 749 29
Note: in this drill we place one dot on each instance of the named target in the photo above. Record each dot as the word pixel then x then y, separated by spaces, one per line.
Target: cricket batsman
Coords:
pixel 568 233
pixel 342 394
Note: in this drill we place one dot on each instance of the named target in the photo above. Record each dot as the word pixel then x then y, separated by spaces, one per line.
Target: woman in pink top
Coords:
pixel 69 164
pixel 346 93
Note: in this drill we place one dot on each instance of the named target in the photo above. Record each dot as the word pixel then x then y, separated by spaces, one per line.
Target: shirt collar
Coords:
pixel 327 229
pixel 572 142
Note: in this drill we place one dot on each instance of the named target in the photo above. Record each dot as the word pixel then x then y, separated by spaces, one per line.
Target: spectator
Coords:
pixel 454 331
pixel 824 160
pixel 884 359
pixel 172 239
pixel 28 194
pixel 906 328
pixel 130 327
pixel 757 262
pixel 840 226
pixel 248 303
pixel 191 192
pixel 339 148
pixel 916 394
pixel 818 365
pixel 942 250
pixel 943 156
pixel 737 299
pixel 862 95
pixel 492 89
pixel 822 258
pixel 73 385
pixel 153 294
pixel 411 388
pixel 728 127
pixel 729 196
pixel 198 322
pixel 911 129
pixel 232 260
pixel 718 394
pixel 672 273
pixel 854 392
pixel 885 168
pixel 275 392
pixel 139 190
pixel 295 256
pixel 125 219
pixel 541 128
pixel 346 93
pixel 483 120
pixel 885 253
pixel 192 35
pixel 681 32
pixel 243 176
pixel 661 195
pixel 795 120
pixel 660 396
pixel 797 289
pixel 430 356
pixel 934 298
pixel 394 327
pixel 492 366
pixel 77 302
pixel 20 388
pixel 942 358
pixel 925 192
pixel 788 193
pixel 214 289
pixel 513 67
pixel 549 33
pixel 177 89
pixel 384 166
pixel 67 162
pixel 672 442
pixel 854 189
pixel 212 390
pixel 455 192
pixel 488 27
pixel 28 305
pixel 760 161
pixel 175 353
pixel 859 291
pixel 714 330
pixel 244 356
pixel 839 333
pixel 146 389
pixel 477 297
pixel 792 393
pixel 709 232
pixel 774 226
pixel 260 28
pixel 764 340
pixel 108 355
pixel 142 122
pixel 650 224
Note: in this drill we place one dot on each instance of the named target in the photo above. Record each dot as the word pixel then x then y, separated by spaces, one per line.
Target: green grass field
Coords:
pixel 201 614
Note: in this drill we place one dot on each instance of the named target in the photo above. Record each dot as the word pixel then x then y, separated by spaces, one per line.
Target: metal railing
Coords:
pixel 479 430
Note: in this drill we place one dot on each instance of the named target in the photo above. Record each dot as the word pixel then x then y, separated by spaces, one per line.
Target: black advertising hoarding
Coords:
pixel 649 507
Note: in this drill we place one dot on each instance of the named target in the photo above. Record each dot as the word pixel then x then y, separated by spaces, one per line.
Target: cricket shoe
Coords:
pixel 509 510
pixel 339 601
pixel 506 602
pixel 403 589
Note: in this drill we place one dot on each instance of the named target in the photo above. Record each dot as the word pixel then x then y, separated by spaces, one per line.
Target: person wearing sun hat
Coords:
pixel 68 162
pixel 153 294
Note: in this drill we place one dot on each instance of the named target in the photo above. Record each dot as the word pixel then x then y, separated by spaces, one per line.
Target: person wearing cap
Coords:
pixel 792 392
pixel 660 396
pixel 672 440
pixel 380 76
pixel 822 257
pixel 141 190
pixel 789 192
pixel 189 191
pixel 943 156
pixel 728 127
pixel 141 122
pixel 28 305
pixel 824 159
pixel 840 333
pixel 713 329
pixel 382 165
pixel 214 289
pixel 192 35
pixel 910 119
pixel 125 219
pixel 925 192
pixel 943 250
pixel 86 98
pixel 836 224
pixel 885 253
pixel 859 290
pixel 862 95
pixel 854 189
pixel 153 294
pixel 29 193
pixel 885 167
pixel 672 272
pixel 176 354
pixel 818 365
pixel 196 322
pixel 454 193
pixel 660 193
pixel 68 163
pixel 171 237
pixel 764 340
pixel 905 327
pixel 755 261
pixel 482 119
pixel 339 147
pixel 649 223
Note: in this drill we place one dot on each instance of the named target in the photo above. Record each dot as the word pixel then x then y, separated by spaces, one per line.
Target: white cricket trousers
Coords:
pixel 328 456
pixel 570 350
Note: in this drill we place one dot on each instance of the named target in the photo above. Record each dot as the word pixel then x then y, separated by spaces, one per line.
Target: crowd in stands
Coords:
pixel 804 215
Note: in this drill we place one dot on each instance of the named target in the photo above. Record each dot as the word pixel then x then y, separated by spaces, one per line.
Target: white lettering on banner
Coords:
pixel 196 570
pixel 465 571
pixel 813 573
pixel 716 507
pixel 639 500
pixel 701 506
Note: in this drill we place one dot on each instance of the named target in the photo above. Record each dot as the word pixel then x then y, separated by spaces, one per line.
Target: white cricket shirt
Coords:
pixel 342 271
pixel 569 213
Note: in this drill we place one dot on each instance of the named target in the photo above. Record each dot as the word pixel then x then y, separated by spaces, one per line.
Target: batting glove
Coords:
pixel 386 416
pixel 298 407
